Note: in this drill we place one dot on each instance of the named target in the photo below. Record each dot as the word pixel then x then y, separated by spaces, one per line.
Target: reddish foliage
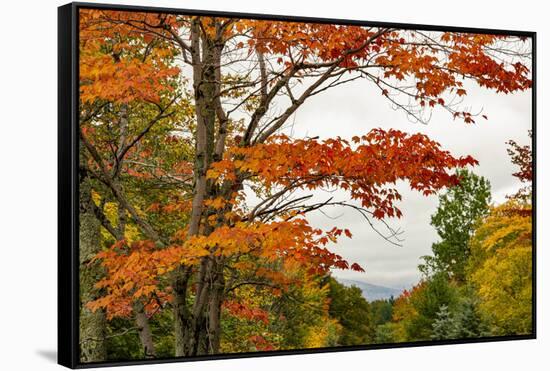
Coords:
pixel 380 158
pixel 241 310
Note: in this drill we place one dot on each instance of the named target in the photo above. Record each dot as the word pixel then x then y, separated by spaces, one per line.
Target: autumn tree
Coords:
pixel 501 269
pixel 522 157
pixel 402 314
pixel 246 78
pixel 127 100
pixel 501 264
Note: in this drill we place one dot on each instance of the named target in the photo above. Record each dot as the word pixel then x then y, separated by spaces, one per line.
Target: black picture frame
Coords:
pixel 68 172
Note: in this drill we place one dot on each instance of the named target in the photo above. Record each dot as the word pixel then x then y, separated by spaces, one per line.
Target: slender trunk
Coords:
pixel 145 335
pixel 92 324
pixel 191 323
pixel 194 337
pixel 214 308
pixel 182 316
pixel 141 319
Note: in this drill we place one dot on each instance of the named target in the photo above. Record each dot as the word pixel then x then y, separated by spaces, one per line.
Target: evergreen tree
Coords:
pixel 469 323
pixel 435 293
pixel 464 322
pixel 445 326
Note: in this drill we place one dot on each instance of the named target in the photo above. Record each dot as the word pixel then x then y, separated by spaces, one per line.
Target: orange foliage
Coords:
pixel 436 62
pixel 376 160
pixel 116 64
pixel 133 275
pixel 135 271
pixel 129 56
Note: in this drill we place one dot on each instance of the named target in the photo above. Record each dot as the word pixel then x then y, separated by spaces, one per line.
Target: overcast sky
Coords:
pixel 357 107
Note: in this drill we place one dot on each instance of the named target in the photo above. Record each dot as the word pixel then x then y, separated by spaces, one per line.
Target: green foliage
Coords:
pixel 161 327
pixel 298 318
pixel 302 317
pixel 464 322
pixel 381 311
pixel 444 326
pixel 353 312
pixel 123 340
pixel 469 322
pixel 457 215
pixel 236 334
pixel 427 302
pixel 122 344
pixel 385 333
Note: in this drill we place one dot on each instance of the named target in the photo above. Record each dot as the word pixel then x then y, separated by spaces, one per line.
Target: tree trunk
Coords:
pixel 191 323
pixel 214 308
pixel 145 335
pixel 181 310
pixel 92 324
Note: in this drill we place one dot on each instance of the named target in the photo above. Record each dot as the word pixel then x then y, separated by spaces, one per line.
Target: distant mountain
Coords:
pixel 372 292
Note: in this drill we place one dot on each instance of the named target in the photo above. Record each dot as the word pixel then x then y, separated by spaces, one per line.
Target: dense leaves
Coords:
pixel 501 268
pixel 460 210
pixel 181 122
pixel 353 312
pixel 364 168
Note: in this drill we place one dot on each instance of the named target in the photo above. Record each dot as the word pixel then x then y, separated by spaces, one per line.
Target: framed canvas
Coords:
pixel 241 185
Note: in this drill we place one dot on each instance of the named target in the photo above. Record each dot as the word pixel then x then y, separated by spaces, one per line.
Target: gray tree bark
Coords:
pixel 190 323
pixel 92 324
pixel 144 330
